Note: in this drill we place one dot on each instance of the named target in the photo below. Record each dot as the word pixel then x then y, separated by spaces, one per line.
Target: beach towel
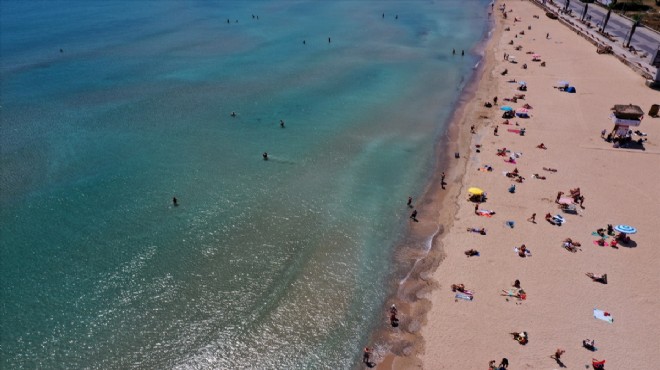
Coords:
pixel 602 315
pixel 512 161
pixel 463 296
pixel 605 244
pixel 513 130
pixel 596 234
pixel 485 213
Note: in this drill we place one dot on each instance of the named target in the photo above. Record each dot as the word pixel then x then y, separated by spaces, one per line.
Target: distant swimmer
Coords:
pixel 61 50
pixel 383 15
pixel 397 17
pixel 328 40
pixel 462 52
pixel 453 51
pixel 233 114
pixel 304 42
pixel 282 123
pixel 175 202
pixel 265 155
pixel 227 20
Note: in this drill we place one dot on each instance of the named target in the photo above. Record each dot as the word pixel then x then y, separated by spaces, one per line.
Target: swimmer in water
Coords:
pixel 265 155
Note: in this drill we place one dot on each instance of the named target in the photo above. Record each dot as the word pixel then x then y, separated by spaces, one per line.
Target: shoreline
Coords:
pixel 420 252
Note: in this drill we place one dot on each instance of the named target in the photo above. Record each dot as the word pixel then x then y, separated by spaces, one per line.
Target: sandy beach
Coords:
pixel 619 186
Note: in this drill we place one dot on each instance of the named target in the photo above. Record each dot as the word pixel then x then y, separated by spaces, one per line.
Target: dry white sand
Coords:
pixel 620 187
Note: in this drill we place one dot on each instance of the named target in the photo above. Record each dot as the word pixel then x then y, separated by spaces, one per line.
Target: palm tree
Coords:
pixel 637 18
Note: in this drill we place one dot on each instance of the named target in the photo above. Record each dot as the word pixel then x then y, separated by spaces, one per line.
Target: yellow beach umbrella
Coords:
pixel 475 191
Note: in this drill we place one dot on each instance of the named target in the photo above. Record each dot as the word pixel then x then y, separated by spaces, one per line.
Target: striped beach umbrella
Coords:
pixel 626 229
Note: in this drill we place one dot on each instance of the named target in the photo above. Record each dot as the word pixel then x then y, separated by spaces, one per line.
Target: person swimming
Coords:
pixel 265 156
pixel 233 114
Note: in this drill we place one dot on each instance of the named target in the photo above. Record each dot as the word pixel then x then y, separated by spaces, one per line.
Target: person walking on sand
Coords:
pixel 476 209
pixel 505 363
pixel 442 180
pixel 413 215
pixel 495 130
pixel 557 355
pixel 409 202
pixel 547 35
pixel 366 355
pixel 532 219
pixel 472 129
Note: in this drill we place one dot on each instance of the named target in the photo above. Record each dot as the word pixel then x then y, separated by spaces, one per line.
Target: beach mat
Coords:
pixel 484 213
pixel 600 315
pixel 463 296
pixel 596 234
pixel 513 130
pixel 605 244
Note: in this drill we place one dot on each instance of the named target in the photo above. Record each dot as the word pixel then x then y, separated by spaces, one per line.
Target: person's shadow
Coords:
pixel 561 364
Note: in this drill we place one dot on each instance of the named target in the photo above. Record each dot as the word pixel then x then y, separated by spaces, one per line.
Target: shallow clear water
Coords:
pixel 268 264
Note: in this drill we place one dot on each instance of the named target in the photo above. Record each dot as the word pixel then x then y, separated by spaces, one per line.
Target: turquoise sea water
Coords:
pixel 265 264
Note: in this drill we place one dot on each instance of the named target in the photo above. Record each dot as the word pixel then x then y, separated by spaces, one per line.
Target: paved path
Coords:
pixel 618 26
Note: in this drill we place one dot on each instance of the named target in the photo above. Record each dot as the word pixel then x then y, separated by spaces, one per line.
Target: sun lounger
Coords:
pixel 602 315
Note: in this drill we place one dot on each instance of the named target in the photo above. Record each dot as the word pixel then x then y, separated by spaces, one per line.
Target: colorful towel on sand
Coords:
pixel 466 297
pixel 513 130
pixel 602 315
pixel 605 244
pixel 510 161
pixel 596 234
pixel 485 213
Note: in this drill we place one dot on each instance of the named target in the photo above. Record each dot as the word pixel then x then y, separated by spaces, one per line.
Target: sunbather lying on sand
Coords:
pixel 481 231
pixel 570 245
pixel 537 176
pixel 458 288
pixel 485 212
pixel 541 146
pixel 598 278
pixel 471 252
pixel 521 337
pixel 549 169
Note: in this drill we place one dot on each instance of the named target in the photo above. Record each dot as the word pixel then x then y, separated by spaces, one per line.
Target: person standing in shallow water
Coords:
pixel 413 215
pixel 175 202
pixel 410 202
pixel 282 123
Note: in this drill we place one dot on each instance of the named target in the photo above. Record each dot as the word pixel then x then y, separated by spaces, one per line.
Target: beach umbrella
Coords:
pixel 475 191
pixel 506 108
pixel 522 111
pixel 626 229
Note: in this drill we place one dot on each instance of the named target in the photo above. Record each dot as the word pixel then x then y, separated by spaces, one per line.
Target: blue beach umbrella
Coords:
pixel 506 108
pixel 626 229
